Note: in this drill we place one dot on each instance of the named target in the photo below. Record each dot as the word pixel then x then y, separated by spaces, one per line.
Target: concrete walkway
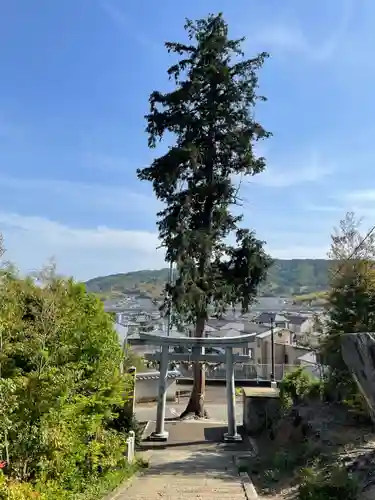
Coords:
pixel 193 464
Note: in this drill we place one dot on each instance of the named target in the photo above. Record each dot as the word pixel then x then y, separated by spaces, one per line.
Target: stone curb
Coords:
pixel 248 486
pixel 246 482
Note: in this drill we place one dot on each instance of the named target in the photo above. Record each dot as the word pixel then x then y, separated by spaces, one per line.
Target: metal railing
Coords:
pixel 250 371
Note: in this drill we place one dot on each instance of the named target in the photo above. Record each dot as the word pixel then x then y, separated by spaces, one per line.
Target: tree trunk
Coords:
pixel 195 405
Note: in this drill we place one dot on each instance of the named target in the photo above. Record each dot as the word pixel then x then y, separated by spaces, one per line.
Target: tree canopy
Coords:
pixel 210 115
pixel 351 299
pixel 60 388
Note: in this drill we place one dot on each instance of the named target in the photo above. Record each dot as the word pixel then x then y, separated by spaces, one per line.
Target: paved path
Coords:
pixel 192 465
pixel 215 404
pixel 216 411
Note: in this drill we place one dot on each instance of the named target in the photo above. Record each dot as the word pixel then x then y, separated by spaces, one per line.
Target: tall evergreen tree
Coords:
pixel 210 113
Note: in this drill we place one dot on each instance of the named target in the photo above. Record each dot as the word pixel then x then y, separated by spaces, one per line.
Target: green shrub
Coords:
pixel 124 422
pixel 335 484
pixel 299 385
pixel 60 387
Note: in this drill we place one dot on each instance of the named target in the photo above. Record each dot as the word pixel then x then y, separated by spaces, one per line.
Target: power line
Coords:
pixel 354 252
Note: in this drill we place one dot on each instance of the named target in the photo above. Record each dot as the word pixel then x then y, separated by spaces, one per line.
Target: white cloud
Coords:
pixel 88 252
pixel 82 252
pixel 361 195
pixel 283 175
pixel 289 38
pixel 351 202
pixel 323 208
pixel 104 162
pixel 89 195
pixel 299 252
pixel 129 26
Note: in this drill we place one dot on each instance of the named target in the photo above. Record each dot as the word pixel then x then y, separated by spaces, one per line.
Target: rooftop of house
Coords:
pixel 271 317
pixel 230 332
pixel 309 357
pixel 217 324
pixel 267 333
pixel 295 319
pixel 155 375
pixel 251 327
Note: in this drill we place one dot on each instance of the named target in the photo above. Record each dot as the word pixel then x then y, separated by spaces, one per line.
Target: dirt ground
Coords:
pixel 334 436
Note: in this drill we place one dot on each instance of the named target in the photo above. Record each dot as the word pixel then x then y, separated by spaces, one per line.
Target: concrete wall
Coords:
pixel 147 389
pixel 261 407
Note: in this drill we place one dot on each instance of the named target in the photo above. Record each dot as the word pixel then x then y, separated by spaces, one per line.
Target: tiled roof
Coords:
pixel 217 323
pixel 155 375
pixel 267 317
pixel 250 327
pixel 296 320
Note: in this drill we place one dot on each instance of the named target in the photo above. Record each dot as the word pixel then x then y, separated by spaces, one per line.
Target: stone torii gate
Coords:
pixel 197 346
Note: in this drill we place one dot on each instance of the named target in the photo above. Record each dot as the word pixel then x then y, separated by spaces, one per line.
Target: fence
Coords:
pixel 250 371
pixel 130 442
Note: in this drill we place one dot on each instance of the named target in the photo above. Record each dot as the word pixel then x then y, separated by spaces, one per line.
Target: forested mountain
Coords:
pixel 286 277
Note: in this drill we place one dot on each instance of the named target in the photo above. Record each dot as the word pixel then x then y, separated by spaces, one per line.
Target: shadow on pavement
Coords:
pixel 193 435
pixel 210 463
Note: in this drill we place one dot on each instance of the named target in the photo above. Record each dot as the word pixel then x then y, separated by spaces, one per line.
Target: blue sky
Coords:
pixel 74 86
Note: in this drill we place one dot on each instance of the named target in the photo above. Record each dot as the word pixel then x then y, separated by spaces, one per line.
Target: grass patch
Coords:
pixel 111 481
pixel 92 489
pixel 304 468
pixel 276 467
pixel 108 483
pixel 327 483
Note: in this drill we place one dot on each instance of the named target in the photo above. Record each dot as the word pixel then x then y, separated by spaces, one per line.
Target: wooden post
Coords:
pixel 130 403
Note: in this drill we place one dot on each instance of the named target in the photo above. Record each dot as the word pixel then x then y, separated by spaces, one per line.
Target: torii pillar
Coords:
pixel 197 346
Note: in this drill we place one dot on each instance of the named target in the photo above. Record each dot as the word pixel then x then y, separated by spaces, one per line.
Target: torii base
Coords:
pixel 159 436
pixel 232 438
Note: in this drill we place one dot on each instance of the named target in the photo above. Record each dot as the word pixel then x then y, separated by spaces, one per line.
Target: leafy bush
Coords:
pixel 124 422
pixel 299 385
pixel 60 388
pixel 334 484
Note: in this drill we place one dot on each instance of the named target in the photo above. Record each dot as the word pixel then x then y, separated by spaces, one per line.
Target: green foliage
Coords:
pixel 285 277
pixel 351 301
pixel 322 484
pixel 60 387
pixel 299 385
pixel 131 359
pixel 357 404
pixel 146 283
pixel 274 464
pixel 313 297
pixel 210 114
pixel 295 276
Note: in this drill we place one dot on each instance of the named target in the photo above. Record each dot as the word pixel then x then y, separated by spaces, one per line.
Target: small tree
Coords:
pixel 351 300
pixel 210 113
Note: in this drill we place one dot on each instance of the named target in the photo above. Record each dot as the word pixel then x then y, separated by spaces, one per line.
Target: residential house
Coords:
pixel 310 362
pixel 272 319
pixel 300 324
pixel 286 352
pixel 214 324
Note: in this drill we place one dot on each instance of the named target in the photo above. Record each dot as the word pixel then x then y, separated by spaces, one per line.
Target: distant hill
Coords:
pixel 285 278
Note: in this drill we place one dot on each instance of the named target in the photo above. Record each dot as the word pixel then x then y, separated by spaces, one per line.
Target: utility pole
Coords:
pixel 272 350
pixel 169 318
